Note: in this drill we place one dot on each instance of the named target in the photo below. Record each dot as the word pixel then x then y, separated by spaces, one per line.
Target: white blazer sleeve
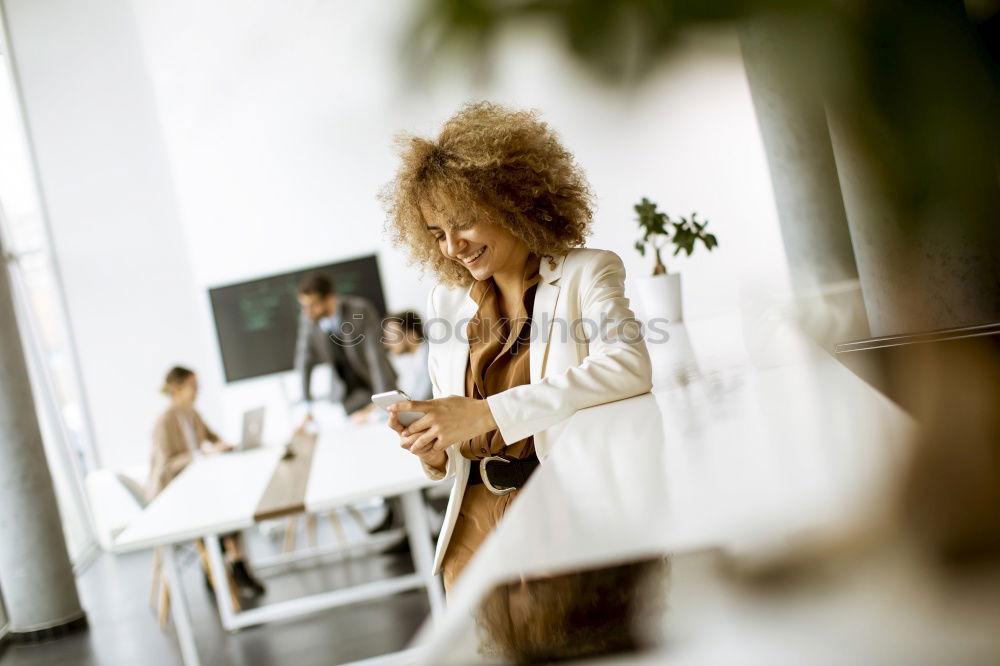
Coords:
pixel 617 365
pixel 432 370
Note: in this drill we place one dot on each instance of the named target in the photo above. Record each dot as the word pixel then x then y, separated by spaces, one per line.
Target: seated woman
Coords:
pixel 496 209
pixel 179 437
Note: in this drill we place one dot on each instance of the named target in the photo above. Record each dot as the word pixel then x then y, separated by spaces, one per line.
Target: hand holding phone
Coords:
pixel 383 400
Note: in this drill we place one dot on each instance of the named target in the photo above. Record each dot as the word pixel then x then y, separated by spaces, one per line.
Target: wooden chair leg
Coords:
pixel 290 529
pixel 203 556
pixel 157 574
pixel 234 594
pixel 164 603
pixel 311 529
pixel 338 528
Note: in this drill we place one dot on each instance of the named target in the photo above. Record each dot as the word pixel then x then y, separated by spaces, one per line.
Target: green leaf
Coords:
pixel 659 230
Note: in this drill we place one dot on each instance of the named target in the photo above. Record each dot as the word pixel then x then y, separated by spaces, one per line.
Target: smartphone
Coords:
pixel 383 400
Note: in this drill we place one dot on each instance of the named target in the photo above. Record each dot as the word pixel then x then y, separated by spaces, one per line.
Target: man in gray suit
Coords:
pixel 346 332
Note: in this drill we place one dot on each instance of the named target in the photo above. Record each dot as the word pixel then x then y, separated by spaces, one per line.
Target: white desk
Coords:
pixel 213 495
pixel 219 494
pixel 739 442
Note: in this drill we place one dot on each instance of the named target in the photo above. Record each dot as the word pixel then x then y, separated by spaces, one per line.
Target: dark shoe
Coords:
pixel 245 581
pixel 388 523
pixel 399 548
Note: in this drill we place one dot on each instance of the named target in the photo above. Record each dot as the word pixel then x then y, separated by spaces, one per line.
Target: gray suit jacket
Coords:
pixel 361 341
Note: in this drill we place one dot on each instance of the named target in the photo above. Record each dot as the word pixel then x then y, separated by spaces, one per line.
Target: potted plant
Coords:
pixel 661 292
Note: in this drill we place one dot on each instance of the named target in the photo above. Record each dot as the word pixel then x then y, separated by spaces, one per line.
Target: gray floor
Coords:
pixel 124 632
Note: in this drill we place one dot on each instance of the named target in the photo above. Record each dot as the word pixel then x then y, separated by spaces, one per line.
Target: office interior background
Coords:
pixel 151 152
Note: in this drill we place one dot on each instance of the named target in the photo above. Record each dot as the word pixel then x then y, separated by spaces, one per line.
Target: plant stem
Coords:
pixel 658 268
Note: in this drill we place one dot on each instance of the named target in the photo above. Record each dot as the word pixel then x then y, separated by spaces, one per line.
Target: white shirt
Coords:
pixel 329 324
pixel 412 375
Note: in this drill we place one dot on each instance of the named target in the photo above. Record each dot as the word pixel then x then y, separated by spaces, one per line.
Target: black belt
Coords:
pixel 504 474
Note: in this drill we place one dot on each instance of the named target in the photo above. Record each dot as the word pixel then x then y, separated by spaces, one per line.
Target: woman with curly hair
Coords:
pixel 525 327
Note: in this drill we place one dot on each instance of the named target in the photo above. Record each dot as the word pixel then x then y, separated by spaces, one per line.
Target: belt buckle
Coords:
pixel 486 479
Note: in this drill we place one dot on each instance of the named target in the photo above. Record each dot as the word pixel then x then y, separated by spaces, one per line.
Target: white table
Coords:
pixel 750 435
pixel 219 494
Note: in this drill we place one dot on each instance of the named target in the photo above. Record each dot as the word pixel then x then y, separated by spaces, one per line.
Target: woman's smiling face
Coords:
pixel 480 245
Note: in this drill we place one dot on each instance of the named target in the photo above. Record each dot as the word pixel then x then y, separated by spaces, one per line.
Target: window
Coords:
pixel 48 350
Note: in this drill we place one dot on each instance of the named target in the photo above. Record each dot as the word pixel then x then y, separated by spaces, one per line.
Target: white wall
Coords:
pixel 277 119
pixel 107 187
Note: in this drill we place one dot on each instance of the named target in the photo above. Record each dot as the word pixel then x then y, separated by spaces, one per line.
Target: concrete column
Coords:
pixel 35 571
pixel 900 136
pixel 793 126
pixel 927 265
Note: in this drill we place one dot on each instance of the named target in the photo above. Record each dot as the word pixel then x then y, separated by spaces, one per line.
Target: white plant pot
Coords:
pixel 661 297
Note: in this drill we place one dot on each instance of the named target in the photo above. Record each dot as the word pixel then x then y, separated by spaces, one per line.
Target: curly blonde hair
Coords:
pixel 498 162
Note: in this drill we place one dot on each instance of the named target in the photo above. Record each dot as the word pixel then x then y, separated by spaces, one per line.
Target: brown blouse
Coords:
pixel 498 358
pixel 173 449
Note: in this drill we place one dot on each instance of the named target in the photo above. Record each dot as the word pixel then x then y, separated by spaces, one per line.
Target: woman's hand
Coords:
pixel 435 459
pixel 303 428
pixel 445 421
pixel 218 447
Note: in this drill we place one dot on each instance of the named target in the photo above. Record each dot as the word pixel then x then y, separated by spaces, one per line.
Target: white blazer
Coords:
pixel 586 349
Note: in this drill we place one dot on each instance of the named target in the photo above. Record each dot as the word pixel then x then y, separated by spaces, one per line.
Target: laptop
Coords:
pixel 253 429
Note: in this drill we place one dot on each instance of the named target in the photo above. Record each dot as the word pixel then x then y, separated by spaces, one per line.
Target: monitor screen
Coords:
pixel 256 321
